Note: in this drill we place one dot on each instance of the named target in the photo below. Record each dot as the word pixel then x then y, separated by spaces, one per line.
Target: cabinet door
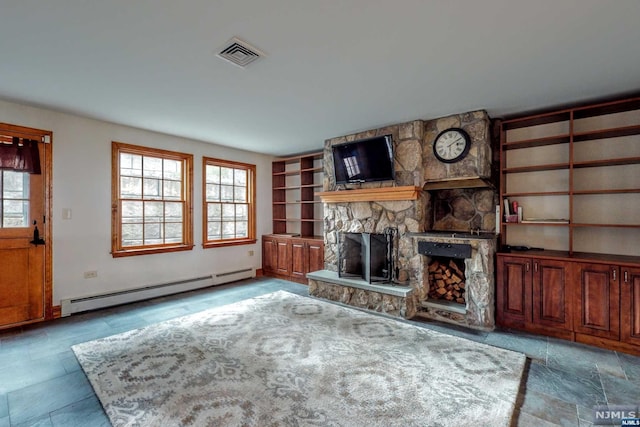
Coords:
pixel 630 305
pixel 298 259
pixel 283 259
pixel 597 300
pixel 269 255
pixel 550 295
pixel 316 255
pixel 513 291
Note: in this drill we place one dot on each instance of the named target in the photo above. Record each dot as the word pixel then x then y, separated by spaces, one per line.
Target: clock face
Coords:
pixel 451 145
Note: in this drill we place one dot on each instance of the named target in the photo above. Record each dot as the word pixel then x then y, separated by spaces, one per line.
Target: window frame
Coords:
pixel 251 201
pixel 117 250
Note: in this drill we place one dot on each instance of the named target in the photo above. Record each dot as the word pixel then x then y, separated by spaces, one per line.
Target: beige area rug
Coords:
pixel 287 360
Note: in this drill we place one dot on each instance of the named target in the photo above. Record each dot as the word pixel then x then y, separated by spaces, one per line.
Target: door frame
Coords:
pixel 46 138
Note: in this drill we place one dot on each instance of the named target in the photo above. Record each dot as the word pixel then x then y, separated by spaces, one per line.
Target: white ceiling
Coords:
pixel 333 67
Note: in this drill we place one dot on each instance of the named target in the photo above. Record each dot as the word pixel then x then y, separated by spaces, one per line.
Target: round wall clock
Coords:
pixel 451 145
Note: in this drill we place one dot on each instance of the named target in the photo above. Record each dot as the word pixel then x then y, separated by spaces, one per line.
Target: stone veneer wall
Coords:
pixel 415 164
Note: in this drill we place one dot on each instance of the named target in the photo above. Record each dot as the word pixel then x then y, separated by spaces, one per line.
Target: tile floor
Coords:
pixel 42 384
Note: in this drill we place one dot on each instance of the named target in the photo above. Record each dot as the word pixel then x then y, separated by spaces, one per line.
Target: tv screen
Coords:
pixel 364 160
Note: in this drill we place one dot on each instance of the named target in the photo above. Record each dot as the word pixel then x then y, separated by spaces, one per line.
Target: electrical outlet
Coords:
pixel 90 274
pixel 250 253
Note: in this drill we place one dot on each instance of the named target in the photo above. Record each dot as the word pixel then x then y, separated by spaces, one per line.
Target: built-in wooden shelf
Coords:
pixel 383 194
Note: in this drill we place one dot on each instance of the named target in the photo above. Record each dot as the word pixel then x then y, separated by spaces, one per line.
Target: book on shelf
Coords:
pixel 545 221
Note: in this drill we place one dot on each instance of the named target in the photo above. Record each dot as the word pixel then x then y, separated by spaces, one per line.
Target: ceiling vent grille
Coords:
pixel 240 53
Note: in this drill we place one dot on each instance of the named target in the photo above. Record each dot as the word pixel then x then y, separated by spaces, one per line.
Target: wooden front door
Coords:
pixel 25 268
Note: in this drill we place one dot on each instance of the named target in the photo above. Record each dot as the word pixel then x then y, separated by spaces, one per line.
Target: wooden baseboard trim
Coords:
pixel 259 272
pixel 609 344
pixel 56 311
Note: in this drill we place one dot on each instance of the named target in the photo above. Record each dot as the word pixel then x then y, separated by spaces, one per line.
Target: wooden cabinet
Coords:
pixel 630 306
pixel 597 299
pixel 583 299
pixel 291 258
pixel 297 211
pixel 532 294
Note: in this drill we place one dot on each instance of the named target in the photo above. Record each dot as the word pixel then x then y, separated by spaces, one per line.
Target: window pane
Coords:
pixel 242 212
pixel 15 213
pixel 173 212
pixel 130 187
pixel 214 211
pixel 132 212
pixel 152 189
pixel 130 164
pixel 213 174
pixel 213 193
pixel 242 229
pixel 172 190
pixel 153 234
pixel 226 193
pixel 153 211
pixel 228 211
pixel 214 231
pixel 173 232
pixel 228 229
pixel 240 194
pixel 131 234
pixel 15 185
pixel 172 169
pixel 240 177
pixel 152 167
pixel 226 175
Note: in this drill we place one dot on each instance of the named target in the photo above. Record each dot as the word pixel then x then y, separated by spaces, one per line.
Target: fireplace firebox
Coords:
pixel 365 255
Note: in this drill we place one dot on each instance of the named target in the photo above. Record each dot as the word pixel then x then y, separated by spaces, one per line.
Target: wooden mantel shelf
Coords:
pixel 383 194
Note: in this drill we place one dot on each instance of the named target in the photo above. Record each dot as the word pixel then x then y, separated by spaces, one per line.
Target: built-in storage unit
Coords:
pixel 296 246
pixel 575 173
pixel 296 210
pixel 291 258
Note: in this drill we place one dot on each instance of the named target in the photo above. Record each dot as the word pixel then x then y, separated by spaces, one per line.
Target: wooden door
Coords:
pixel 550 294
pixel 630 305
pixel 299 259
pixel 25 281
pixel 513 291
pixel 269 255
pixel 283 258
pixel 597 297
pixel 315 255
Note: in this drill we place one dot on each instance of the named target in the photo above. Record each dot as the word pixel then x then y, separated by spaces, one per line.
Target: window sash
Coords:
pixel 152 200
pixel 228 202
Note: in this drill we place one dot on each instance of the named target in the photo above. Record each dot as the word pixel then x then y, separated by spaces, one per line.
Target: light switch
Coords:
pixel 66 213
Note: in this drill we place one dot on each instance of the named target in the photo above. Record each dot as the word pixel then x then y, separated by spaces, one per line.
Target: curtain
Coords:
pixel 21 156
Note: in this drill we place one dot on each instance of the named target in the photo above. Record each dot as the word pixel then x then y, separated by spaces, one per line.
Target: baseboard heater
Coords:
pixel 80 304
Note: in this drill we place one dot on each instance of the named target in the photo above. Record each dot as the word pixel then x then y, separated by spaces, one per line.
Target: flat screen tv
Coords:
pixel 364 160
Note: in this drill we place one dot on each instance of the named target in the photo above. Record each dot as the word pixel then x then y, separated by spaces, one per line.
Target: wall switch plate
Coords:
pixel 90 274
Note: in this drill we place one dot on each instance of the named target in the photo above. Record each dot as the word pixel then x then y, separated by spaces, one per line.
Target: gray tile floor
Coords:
pixel 42 384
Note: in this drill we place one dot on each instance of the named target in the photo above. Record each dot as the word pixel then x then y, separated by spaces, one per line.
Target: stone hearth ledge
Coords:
pixel 397 301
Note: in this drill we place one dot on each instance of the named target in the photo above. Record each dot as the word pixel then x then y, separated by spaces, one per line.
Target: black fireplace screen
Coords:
pixel 365 255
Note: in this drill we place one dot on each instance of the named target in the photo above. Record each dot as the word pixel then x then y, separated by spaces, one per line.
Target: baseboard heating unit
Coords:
pixel 80 304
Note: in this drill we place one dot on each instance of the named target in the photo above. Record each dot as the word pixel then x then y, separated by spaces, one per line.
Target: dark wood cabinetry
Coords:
pixel 575 173
pixel 532 294
pixel 597 297
pixel 630 306
pixel 583 299
pixel 291 258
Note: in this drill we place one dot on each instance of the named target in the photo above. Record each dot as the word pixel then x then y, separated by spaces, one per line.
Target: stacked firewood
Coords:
pixel 446 281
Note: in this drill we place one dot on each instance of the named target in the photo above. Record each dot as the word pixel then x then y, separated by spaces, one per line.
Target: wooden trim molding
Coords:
pixel 383 194
pixel 56 312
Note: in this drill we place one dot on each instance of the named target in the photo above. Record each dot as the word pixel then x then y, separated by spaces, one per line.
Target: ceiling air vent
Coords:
pixel 240 53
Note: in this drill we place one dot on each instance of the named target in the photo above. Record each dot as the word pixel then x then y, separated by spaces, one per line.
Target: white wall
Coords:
pixel 82 183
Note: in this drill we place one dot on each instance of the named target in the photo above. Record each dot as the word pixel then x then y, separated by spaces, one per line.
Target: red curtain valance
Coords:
pixel 21 155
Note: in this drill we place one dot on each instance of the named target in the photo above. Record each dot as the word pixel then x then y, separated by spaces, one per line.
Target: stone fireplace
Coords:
pixel 442 208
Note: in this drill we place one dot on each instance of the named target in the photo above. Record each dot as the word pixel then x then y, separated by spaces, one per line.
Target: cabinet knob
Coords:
pixel 613 272
pixel 626 276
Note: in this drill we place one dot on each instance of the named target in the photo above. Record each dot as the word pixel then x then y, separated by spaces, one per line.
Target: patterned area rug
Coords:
pixel 287 360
